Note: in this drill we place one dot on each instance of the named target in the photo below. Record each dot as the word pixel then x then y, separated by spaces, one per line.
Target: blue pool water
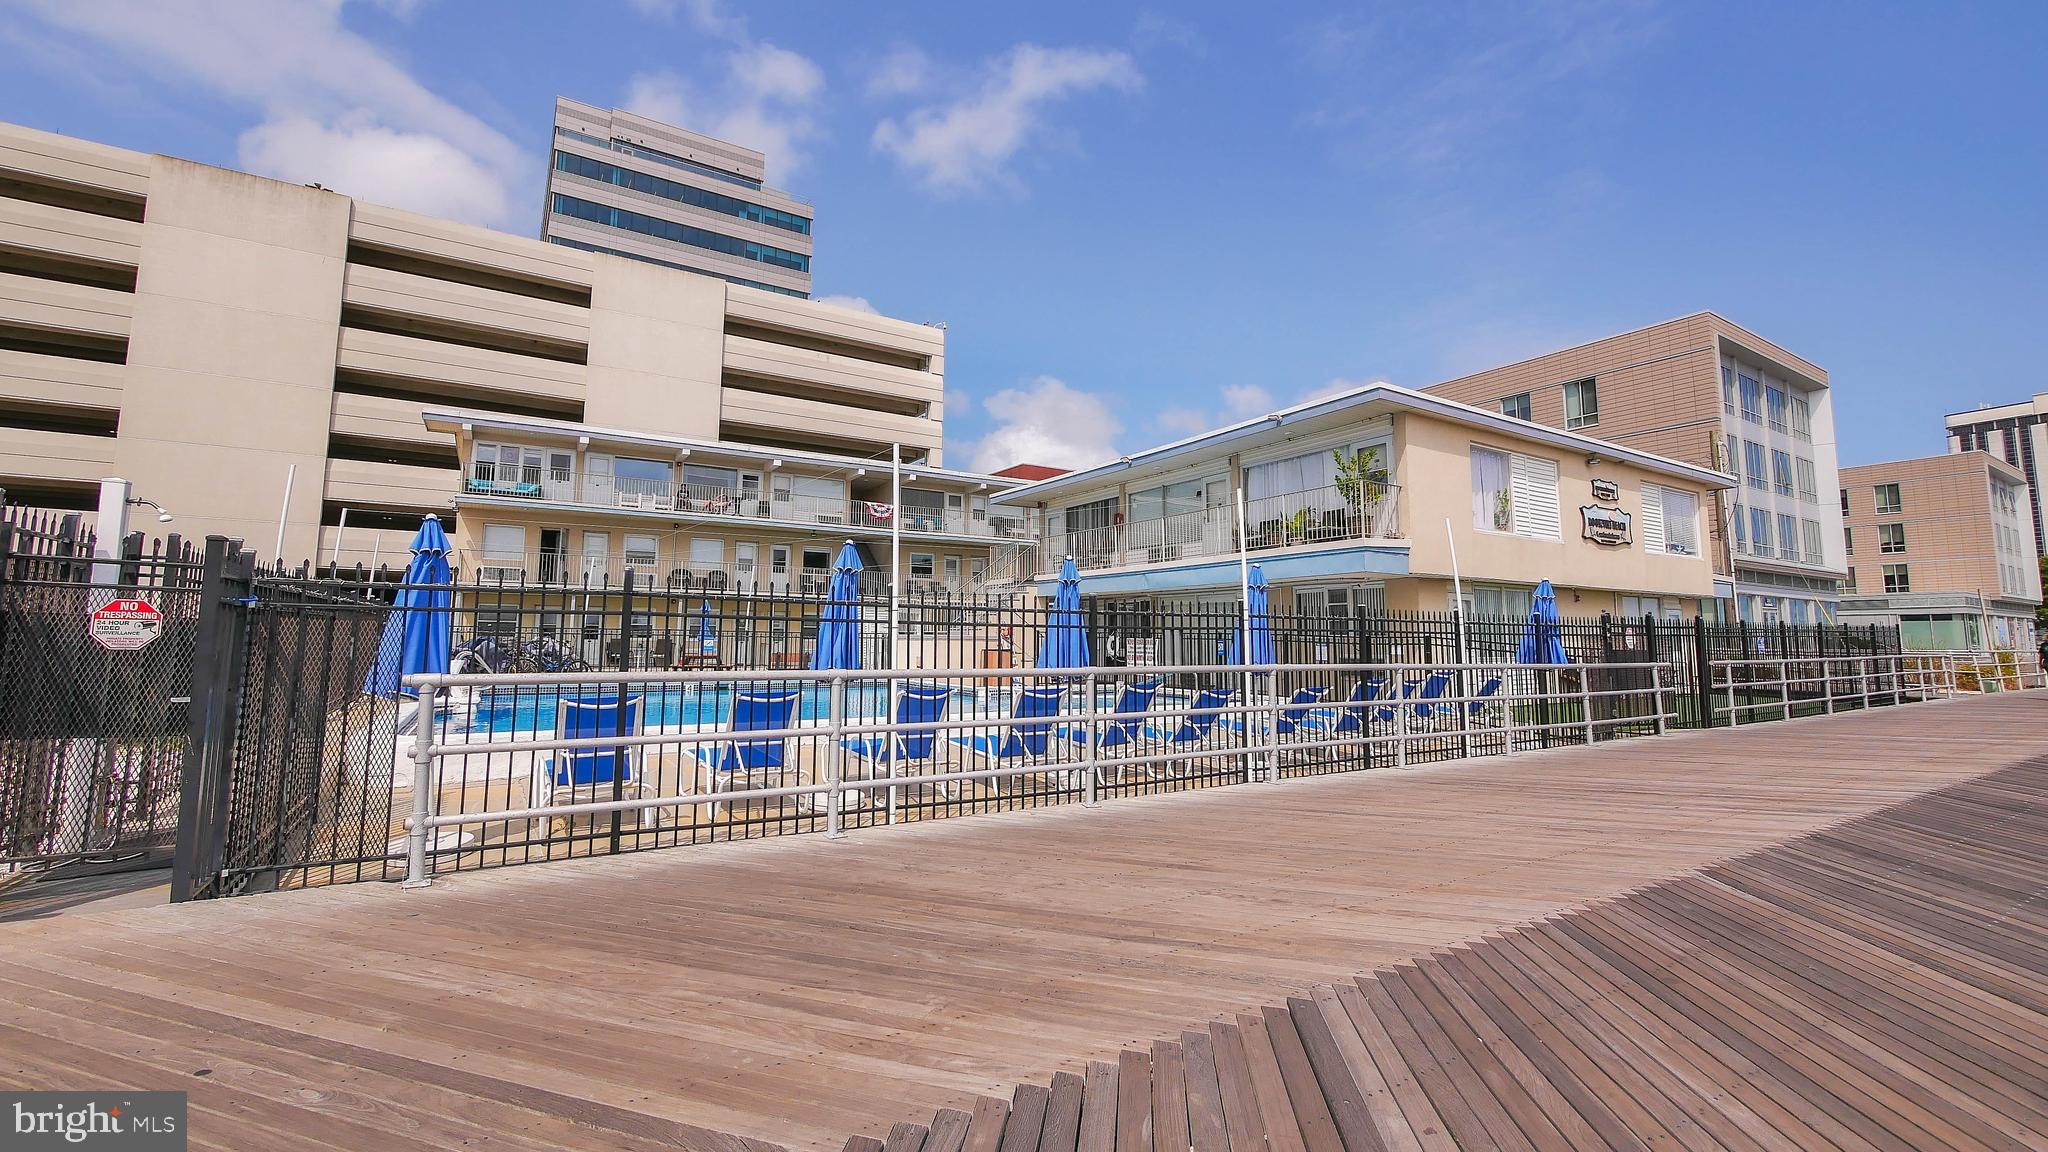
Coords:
pixel 529 711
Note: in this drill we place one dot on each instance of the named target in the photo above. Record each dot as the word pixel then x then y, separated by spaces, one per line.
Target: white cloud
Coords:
pixel 1154 29
pixel 1337 386
pixel 1047 422
pixel 1244 401
pixel 852 303
pixel 903 71
pixel 335 108
pixel 1178 423
pixel 968 144
pixel 377 163
pixel 707 15
pixel 765 104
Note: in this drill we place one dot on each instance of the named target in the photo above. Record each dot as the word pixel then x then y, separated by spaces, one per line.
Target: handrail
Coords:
pixel 1644 693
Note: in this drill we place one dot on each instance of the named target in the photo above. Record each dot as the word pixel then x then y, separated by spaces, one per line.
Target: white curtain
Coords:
pixel 1489 490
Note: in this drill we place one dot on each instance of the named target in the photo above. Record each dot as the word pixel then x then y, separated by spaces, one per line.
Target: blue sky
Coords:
pixel 1141 220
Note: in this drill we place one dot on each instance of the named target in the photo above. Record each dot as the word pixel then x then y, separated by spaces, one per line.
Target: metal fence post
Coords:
pixel 219 634
pixel 1586 702
pixel 1827 683
pixel 1702 674
pixel 1092 763
pixel 1785 683
pixel 424 771
pixel 1657 695
pixel 835 798
pixel 1894 678
pixel 625 663
pixel 1400 719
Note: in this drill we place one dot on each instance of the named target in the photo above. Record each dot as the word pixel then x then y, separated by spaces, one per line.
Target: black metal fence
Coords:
pixel 245 729
pixel 96 657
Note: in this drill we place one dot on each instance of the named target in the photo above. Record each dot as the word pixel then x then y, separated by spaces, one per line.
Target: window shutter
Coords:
pixel 1653 518
pixel 1535 488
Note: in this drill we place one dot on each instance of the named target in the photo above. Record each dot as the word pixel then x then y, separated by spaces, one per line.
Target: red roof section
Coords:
pixel 1029 472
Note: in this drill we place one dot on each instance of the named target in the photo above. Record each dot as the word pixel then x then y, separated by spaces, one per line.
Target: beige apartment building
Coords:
pixel 245 350
pixel 1372 501
pixel 630 186
pixel 1944 547
pixel 1708 392
pixel 2015 433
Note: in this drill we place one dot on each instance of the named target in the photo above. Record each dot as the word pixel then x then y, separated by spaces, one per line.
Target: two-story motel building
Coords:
pixel 1353 504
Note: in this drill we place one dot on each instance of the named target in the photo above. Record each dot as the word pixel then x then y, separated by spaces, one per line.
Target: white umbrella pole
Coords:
pixel 895 597
pixel 291 474
pixel 1244 584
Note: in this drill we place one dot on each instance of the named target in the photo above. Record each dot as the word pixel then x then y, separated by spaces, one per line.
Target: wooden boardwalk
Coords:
pixel 1879 985
pixel 795 990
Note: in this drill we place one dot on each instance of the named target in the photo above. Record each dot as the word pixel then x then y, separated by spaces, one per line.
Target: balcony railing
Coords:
pixel 488 478
pixel 1290 519
pixel 658 574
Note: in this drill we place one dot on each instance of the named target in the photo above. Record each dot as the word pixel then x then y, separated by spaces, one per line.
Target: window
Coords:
pixel 1727 390
pixel 1752 400
pixel 1781 471
pixel 1788 536
pixel 1516 405
pixel 1670 521
pixel 921 565
pixel 1775 402
pixel 658 157
pixel 1851 587
pixel 640 552
pixel 1734 461
pixel 1581 404
pixel 1753 464
pixel 1809 482
pixel 1891 538
pixel 499 622
pixel 1888 501
pixel 1514 493
pixel 641 182
pixel 504 543
pixel 708 555
pixel 1760 531
pixel 702 479
pixel 1799 608
pixel 1802 417
pixel 1848 541
pixel 1809 531
pixel 629 221
pixel 1896 579
pixel 1741 531
pixel 1845 501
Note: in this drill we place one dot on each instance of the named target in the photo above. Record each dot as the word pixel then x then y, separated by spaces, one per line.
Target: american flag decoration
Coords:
pixel 882 512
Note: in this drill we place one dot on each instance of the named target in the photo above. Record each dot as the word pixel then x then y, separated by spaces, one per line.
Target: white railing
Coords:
pixel 1428 711
pixel 1290 519
pixel 1746 691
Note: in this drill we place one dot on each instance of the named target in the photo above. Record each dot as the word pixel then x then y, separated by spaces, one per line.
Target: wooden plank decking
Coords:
pixel 797 990
pixel 1878 985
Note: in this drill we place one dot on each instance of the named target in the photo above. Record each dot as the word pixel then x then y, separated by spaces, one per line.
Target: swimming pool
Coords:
pixel 528 711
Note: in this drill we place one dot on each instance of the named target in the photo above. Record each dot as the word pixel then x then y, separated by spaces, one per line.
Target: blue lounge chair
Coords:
pixel 1121 727
pixel 915 704
pixel 1488 695
pixel 587 773
pixel 753 710
pixel 1029 733
pixel 1293 715
pixel 1196 726
pixel 1348 717
pixel 1429 702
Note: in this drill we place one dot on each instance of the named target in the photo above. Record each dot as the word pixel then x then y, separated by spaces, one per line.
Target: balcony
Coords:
pixel 1288 520
pixel 566 486
pixel 654 574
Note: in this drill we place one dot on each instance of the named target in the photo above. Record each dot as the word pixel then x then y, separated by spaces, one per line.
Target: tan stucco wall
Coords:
pixel 1434 467
pixel 657 346
pixel 230 373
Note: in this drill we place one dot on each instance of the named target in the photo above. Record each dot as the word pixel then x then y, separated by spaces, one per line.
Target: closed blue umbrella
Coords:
pixel 1256 606
pixel 1543 640
pixel 1066 634
pixel 707 633
pixel 839 624
pixel 416 637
